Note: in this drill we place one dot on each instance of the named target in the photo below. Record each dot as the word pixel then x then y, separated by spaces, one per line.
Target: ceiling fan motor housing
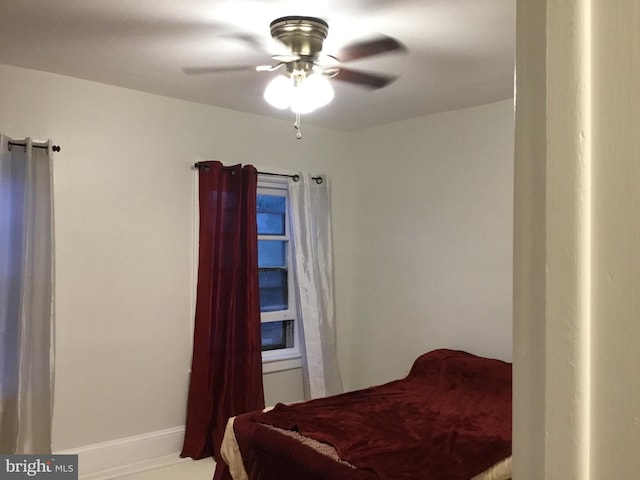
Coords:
pixel 302 35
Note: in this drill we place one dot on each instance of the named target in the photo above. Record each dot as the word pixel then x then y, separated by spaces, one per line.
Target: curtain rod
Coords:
pixel 55 148
pixel 295 178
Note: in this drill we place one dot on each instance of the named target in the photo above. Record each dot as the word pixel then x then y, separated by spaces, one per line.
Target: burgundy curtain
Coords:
pixel 226 368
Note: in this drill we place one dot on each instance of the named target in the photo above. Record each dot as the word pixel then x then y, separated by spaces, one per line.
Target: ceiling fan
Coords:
pixel 304 84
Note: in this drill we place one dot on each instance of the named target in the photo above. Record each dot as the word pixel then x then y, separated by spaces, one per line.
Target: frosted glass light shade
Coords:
pixel 318 88
pixel 313 92
pixel 301 100
pixel 279 92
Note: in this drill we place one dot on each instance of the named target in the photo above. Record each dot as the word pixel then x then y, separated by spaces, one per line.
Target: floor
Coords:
pixel 189 470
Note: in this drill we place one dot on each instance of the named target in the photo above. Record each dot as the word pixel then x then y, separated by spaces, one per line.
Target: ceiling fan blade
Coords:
pixel 286 58
pixel 250 40
pixel 382 44
pixel 204 70
pixel 367 80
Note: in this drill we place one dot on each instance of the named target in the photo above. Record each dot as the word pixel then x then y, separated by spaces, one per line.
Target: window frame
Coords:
pixel 280 187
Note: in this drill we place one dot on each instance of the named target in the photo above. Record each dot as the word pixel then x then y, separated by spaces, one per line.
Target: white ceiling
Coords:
pixel 460 53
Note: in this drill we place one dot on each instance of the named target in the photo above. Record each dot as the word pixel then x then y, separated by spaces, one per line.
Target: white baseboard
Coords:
pixel 125 456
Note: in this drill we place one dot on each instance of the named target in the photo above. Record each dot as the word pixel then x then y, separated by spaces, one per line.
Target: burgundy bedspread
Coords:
pixel 449 419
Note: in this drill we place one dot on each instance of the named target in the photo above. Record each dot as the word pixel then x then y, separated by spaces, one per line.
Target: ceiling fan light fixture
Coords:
pixel 301 93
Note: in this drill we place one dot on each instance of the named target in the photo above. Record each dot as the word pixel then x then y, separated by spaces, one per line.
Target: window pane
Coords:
pixel 271 215
pixel 274 293
pixel 272 253
pixel 277 335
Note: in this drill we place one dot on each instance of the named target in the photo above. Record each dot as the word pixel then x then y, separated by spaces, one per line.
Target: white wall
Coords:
pixel 576 275
pixel 615 355
pixel 434 227
pixel 124 205
pixel 422 240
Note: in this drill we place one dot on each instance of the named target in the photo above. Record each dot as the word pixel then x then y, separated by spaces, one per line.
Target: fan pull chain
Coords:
pixel 298 126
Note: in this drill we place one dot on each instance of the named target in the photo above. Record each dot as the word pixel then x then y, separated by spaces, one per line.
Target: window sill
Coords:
pixel 273 364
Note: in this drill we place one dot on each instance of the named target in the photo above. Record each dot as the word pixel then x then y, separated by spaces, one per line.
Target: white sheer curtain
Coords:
pixel 312 250
pixel 26 298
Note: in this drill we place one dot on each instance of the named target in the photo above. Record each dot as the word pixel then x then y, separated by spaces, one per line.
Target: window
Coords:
pixel 277 294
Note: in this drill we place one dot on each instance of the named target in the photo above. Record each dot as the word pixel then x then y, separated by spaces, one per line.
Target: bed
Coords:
pixel 448 419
